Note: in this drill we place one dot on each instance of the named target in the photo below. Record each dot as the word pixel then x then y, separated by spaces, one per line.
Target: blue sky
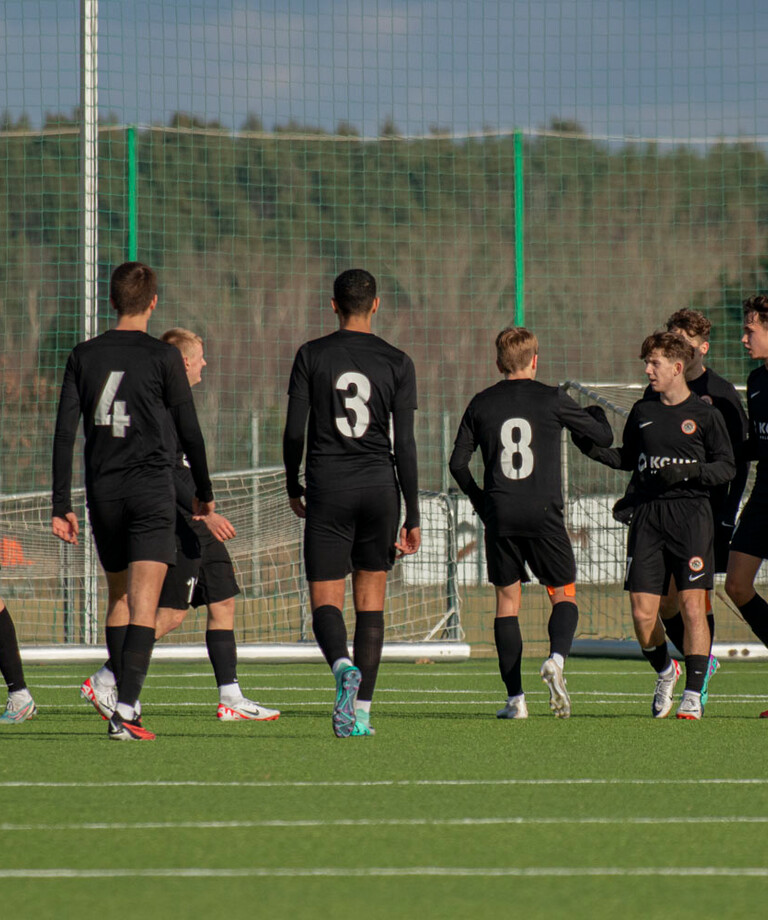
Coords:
pixel 656 68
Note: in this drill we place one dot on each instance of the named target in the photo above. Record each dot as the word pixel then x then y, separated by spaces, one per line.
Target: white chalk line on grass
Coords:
pixel 758 701
pixel 477 695
pixel 396 872
pixel 277 688
pixel 376 822
pixel 311 784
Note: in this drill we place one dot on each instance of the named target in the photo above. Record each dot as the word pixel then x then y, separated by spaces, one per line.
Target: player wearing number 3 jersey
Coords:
pixel 351 384
pixel 123 383
pixel 517 425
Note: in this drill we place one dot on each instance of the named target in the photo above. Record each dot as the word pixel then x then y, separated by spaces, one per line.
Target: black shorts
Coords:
pixel 139 528
pixel 549 557
pixel 203 573
pixel 751 533
pixel 350 532
pixel 673 537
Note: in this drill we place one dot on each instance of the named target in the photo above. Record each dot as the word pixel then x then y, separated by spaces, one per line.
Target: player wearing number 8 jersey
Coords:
pixel 350 384
pixel 123 383
pixel 517 425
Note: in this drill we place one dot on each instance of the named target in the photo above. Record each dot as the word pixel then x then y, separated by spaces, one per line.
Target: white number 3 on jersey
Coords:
pixel 356 402
pixel 519 448
pixel 111 411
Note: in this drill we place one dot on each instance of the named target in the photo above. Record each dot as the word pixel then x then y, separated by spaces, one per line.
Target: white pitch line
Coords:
pixel 297 784
pixel 378 822
pixel 393 872
pixel 328 688
pixel 427 673
pixel 636 700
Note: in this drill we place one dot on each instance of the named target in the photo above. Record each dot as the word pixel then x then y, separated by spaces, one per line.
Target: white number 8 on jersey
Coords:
pixel 357 403
pixel 516 448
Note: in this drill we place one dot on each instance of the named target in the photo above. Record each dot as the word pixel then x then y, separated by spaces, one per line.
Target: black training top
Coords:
pixel 351 384
pixel 757 443
pixel 656 435
pixel 183 482
pixel 720 393
pixel 517 425
pixel 124 383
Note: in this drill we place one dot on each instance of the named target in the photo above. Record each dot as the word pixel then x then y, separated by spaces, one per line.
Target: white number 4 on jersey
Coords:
pixel 110 411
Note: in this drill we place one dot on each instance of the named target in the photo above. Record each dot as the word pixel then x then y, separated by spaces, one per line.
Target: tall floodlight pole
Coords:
pixel 89 187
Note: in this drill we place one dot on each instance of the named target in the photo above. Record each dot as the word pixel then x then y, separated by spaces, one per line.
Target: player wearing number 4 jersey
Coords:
pixel 517 425
pixel 678 448
pixel 124 383
pixel 350 384
pixel 203 574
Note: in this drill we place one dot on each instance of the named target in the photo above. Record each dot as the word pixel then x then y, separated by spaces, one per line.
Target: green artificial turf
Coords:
pixel 446 812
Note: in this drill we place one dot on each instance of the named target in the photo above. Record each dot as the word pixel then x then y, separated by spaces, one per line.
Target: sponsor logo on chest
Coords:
pixel 654 462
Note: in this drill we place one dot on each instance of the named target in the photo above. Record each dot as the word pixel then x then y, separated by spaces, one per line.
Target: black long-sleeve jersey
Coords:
pixel 657 435
pixel 718 392
pixel 757 441
pixel 351 384
pixel 183 481
pixel 124 383
pixel 517 426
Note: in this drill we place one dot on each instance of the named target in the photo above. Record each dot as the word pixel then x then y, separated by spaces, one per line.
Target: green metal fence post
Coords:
pixel 133 203
pixel 519 232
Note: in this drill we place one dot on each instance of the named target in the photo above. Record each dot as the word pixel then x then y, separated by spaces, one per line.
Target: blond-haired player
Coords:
pixel 517 424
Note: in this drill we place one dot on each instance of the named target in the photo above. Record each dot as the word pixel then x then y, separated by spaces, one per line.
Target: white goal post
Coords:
pixel 47 585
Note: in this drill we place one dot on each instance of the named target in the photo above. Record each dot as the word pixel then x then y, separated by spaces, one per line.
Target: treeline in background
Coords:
pixel 248 230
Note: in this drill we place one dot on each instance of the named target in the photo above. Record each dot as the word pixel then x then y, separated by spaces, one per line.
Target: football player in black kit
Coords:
pixel 20 706
pixel 749 545
pixel 203 574
pixel 124 383
pixel 350 384
pixel 695 328
pixel 517 424
pixel 678 447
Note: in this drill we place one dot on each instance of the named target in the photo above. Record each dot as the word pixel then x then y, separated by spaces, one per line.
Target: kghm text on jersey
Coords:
pixel 644 462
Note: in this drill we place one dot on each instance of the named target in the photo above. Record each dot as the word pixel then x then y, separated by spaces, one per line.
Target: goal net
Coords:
pixel 58 596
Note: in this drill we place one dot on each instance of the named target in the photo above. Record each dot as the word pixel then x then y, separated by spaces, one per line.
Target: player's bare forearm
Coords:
pixel 218 525
pixel 66 528
pixel 409 542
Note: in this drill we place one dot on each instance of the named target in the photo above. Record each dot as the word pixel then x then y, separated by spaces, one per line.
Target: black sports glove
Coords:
pixel 674 473
pixel 624 509
pixel 597 412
